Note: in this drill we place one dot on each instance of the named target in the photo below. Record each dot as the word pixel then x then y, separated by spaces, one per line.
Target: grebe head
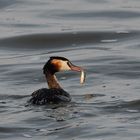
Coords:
pixel 56 64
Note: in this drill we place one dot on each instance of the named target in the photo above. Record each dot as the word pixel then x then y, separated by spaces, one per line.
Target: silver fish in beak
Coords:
pixel 82 77
pixel 78 69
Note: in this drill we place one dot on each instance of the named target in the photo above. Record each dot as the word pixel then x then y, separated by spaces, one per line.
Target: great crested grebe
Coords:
pixel 54 93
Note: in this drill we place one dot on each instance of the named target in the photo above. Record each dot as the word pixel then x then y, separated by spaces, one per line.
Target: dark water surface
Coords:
pixel 103 36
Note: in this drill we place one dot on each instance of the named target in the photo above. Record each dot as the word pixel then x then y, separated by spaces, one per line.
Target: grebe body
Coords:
pixel 54 93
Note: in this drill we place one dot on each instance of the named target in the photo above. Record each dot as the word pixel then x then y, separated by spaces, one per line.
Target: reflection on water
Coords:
pixel 101 36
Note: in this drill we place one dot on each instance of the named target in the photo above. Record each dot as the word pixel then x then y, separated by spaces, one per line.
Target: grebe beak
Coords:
pixel 79 69
pixel 75 68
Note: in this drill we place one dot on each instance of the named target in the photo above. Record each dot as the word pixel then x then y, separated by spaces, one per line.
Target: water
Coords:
pixel 100 35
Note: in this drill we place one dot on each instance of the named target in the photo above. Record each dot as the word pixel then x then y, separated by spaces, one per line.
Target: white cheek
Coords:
pixel 64 66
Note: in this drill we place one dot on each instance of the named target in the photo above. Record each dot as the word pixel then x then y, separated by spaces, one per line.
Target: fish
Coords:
pixel 82 77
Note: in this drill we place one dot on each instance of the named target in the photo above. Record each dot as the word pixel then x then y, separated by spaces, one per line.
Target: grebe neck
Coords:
pixel 52 80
